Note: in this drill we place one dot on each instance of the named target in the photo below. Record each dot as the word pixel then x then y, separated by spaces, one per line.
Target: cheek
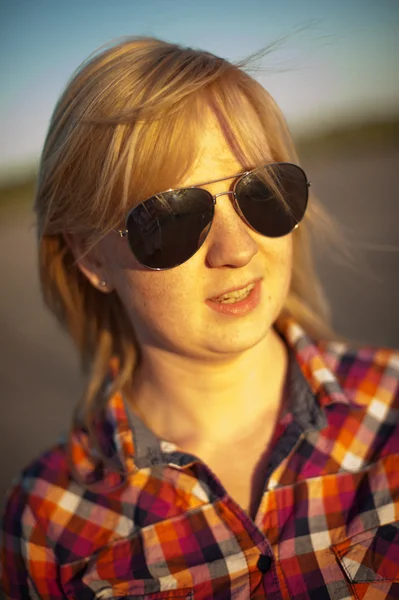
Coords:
pixel 129 280
pixel 159 306
pixel 142 291
pixel 153 298
pixel 278 274
pixel 151 292
pixel 144 294
pixel 279 253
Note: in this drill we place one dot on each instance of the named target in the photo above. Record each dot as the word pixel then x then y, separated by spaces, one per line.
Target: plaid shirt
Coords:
pixel 160 525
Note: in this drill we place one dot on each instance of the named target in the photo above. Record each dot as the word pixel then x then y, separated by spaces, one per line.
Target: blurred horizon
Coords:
pixel 379 134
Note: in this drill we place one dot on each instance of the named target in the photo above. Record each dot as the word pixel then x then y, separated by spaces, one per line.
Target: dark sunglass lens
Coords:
pixel 167 229
pixel 273 209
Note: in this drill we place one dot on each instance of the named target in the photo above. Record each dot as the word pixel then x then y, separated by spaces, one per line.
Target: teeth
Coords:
pixel 236 295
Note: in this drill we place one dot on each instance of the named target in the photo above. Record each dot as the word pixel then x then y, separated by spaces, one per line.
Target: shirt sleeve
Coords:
pixel 28 567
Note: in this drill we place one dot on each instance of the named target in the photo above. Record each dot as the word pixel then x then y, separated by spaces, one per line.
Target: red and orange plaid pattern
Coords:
pixel 160 525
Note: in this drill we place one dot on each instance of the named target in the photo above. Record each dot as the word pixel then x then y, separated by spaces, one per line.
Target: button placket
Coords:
pixel 264 563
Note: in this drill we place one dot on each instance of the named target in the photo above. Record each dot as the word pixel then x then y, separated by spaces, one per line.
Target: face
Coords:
pixel 181 310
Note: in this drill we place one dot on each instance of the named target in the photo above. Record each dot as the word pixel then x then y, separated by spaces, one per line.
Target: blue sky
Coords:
pixel 337 60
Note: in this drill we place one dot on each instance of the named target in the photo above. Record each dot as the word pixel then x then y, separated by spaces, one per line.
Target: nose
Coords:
pixel 230 242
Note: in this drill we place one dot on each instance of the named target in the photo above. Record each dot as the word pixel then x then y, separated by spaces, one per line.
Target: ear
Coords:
pixel 88 261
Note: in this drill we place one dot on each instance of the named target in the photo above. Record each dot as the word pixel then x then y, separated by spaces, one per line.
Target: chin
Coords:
pixel 238 340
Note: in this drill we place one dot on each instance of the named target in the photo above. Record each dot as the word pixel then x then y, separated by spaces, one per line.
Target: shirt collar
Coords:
pixel 316 365
pixel 130 445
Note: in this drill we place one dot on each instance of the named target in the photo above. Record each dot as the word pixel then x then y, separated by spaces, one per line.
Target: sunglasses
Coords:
pixel 167 229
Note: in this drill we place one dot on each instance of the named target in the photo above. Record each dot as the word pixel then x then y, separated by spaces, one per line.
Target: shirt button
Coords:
pixel 264 563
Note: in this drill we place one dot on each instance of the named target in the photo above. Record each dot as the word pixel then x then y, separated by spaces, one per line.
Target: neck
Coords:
pixel 190 402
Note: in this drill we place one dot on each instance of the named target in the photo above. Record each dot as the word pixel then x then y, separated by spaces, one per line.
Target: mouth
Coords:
pixel 236 295
pixel 237 302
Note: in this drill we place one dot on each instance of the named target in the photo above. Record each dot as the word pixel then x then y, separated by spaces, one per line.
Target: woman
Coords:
pixel 222 450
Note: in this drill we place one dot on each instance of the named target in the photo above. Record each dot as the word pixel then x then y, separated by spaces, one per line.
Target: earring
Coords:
pixel 102 283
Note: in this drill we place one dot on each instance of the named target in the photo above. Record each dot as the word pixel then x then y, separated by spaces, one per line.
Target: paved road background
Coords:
pixel 39 373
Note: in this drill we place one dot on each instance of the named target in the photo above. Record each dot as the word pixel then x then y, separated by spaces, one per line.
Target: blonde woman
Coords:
pixel 226 445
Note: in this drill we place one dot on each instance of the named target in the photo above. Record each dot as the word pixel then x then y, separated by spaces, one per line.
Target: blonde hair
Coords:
pixel 127 126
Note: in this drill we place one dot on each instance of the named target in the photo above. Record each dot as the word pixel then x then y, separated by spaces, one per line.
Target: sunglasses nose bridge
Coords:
pixel 227 193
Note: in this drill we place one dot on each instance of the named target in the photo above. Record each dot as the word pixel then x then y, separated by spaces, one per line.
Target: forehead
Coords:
pixel 215 158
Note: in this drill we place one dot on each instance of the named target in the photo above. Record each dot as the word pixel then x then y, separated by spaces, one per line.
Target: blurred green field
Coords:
pixel 381 135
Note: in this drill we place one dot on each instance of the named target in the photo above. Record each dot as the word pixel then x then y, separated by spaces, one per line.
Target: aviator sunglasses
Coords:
pixel 164 231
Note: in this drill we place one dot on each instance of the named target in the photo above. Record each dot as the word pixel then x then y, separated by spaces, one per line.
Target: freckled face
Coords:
pixel 169 309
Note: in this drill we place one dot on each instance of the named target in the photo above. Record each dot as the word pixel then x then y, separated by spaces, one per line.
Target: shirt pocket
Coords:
pixel 119 570
pixel 370 561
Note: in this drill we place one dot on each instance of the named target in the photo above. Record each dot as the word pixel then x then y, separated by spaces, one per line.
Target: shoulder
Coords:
pixel 24 542
pixel 33 488
pixel 364 373
pixel 369 380
pixel 66 490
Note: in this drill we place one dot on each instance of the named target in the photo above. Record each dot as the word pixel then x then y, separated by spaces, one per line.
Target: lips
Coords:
pixel 235 294
pixel 238 301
